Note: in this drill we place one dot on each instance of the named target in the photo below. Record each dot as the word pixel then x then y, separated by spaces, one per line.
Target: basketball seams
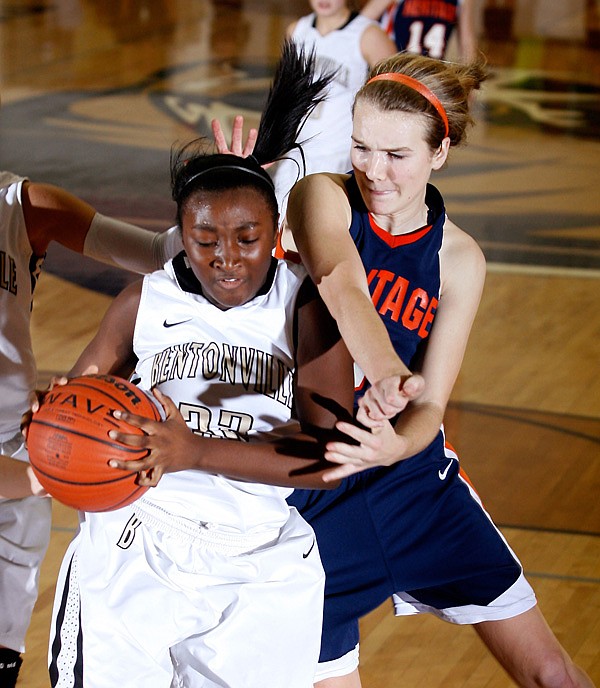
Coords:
pixel 63 481
pixel 69 445
pixel 77 433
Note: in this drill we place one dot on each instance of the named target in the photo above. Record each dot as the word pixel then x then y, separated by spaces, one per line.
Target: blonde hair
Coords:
pixel 449 82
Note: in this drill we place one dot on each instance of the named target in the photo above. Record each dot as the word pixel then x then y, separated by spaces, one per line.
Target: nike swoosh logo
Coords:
pixel 442 474
pixel 305 554
pixel 177 322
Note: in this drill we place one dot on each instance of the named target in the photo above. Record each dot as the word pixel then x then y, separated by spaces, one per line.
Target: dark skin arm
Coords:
pixel 53 214
pixel 324 393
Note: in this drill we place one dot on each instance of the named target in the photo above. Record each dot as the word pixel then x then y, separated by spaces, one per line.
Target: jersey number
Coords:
pixel 232 425
pixel 433 42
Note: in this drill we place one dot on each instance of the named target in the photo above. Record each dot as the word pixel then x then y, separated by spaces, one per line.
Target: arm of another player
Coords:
pixel 18 480
pixel 53 214
pixel 467 38
pixel 323 393
pixel 463 275
pixel 319 216
pixel 375 8
pixel 376 45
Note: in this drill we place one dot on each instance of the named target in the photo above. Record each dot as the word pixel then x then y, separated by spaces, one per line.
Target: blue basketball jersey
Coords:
pixel 421 26
pixel 403 272
pixel 415 530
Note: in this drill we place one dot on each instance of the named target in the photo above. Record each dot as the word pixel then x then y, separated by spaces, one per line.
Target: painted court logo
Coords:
pixel 112 148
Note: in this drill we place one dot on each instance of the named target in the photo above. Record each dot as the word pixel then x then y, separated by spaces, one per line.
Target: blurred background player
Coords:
pixel 424 27
pixel 348 44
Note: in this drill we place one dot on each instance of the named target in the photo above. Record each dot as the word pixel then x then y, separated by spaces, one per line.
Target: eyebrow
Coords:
pixel 387 150
pixel 240 228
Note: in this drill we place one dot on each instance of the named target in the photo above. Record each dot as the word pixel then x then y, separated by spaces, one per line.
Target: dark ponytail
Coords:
pixel 294 94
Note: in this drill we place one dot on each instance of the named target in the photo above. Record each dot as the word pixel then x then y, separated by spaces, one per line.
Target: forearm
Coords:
pixel 292 462
pixel 363 332
pixel 418 426
pixel 17 479
pixel 127 246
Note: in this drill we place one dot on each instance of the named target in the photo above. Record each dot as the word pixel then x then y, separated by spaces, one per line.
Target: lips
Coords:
pixel 229 282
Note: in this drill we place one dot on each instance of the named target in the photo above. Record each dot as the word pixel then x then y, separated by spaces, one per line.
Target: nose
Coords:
pixel 376 165
pixel 227 255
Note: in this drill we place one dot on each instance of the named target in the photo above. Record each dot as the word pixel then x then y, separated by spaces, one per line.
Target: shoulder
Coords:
pixel 129 298
pixel 363 23
pixel 9 178
pixel 319 196
pixel 375 44
pixel 300 26
pixel 322 181
pixel 461 257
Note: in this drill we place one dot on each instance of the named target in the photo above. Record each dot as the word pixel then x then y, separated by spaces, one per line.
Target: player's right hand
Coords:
pixel 170 443
pixel 236 148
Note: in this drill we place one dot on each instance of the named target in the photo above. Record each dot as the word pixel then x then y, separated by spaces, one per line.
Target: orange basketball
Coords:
pixel 69 447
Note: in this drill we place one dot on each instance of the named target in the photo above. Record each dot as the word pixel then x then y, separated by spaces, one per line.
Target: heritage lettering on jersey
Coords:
pixel 395 298
pixel 8 273
pixel 236 365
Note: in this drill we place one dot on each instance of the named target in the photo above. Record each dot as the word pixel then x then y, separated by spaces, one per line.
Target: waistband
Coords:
pixel 210 535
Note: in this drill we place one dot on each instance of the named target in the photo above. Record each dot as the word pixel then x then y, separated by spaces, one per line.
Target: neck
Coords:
pixel 404 221
pixel 332 22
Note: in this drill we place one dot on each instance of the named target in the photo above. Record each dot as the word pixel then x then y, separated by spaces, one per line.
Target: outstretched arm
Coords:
pixel 53 214
pixel 319 216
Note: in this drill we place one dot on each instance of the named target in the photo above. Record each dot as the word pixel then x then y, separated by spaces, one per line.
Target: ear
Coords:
pixel 440 155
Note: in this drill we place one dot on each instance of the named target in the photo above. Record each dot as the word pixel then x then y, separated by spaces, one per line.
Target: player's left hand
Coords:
pixel 388 397
pixel 36 397
pixel 380 446
pixel 237 148
pixel 170 443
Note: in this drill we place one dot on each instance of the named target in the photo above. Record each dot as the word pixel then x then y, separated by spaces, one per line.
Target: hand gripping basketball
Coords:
pixel 69 445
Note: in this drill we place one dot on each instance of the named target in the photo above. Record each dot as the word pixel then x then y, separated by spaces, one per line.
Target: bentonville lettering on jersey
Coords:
pixel 237 365
pixel 8 273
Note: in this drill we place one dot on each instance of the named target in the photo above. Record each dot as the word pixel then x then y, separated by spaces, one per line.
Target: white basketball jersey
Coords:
pixel 18 272
pixel 230 374
pixel 337 51
pixel 326 136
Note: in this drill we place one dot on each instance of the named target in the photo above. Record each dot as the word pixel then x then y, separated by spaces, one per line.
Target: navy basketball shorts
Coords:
pixel 417 532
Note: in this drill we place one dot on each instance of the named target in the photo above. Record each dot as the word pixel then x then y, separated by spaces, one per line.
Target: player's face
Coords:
pixel 229 238
pixel 392 160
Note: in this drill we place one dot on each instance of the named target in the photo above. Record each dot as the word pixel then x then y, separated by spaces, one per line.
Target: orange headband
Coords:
pixel 420 88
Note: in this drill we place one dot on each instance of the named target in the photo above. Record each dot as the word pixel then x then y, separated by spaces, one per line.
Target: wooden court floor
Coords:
pixel 94 94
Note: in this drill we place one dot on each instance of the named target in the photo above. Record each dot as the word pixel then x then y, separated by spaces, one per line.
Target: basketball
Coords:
pixel 69 447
